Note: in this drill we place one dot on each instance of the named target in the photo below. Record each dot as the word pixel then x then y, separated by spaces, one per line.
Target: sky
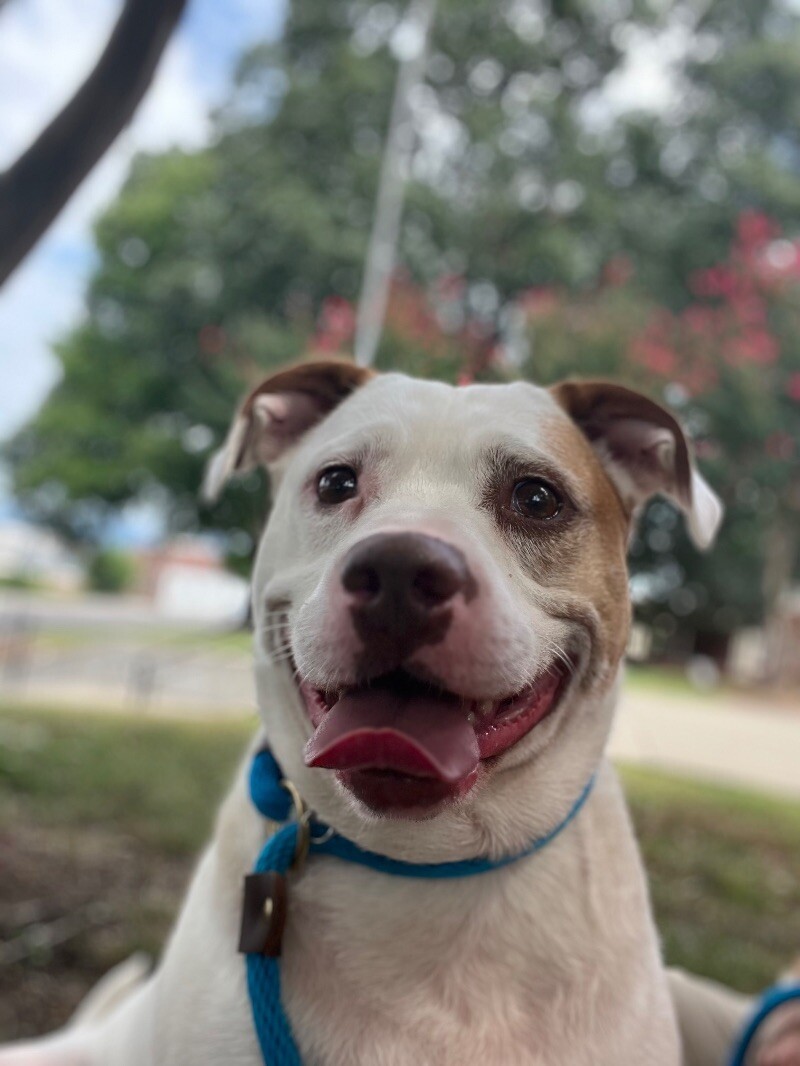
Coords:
pixel 46 49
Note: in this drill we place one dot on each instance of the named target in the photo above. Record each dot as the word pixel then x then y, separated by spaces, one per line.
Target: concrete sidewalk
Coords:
pixel 733 740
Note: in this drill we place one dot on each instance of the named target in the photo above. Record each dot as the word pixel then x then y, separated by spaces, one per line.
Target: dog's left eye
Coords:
pixel 534 498
pixel 337 484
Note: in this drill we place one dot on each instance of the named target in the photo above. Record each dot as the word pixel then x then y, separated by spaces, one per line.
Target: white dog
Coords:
pixel 441 609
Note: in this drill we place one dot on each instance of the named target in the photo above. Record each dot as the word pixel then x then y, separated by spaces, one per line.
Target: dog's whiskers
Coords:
pixel 560 654
pixel 271 628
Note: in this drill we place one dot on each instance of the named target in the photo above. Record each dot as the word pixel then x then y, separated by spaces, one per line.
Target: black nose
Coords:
pixel 401 587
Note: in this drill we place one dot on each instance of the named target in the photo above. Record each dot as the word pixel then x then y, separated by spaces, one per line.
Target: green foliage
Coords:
pixel 217 266
pixel 23 581
pixel 110 571
pixel 160 782
pixel 729 361
pixel 720 861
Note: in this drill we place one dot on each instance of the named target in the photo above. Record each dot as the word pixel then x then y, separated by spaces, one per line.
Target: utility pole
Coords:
pixel 410 45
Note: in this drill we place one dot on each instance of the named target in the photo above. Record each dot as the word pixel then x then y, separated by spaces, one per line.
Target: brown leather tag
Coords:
pixel 263 914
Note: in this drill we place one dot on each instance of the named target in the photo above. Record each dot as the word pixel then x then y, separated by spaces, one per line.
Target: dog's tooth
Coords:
pixel 484 708
pixel 471 718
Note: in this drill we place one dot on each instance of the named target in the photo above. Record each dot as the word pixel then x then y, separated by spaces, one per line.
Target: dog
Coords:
pixel 441 610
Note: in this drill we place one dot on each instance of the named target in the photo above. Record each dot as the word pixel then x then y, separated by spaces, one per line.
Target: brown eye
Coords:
pixel 337 484
pixel 533 498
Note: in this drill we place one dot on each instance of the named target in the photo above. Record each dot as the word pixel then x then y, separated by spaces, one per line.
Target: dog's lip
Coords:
pixel 498 724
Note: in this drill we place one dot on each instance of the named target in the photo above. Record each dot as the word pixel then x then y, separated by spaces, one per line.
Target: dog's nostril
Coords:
pixel 402 577
pixel 362 581
pixel 435 584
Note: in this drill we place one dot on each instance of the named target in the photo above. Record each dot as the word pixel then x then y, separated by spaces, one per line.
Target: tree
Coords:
pixel 729 361
pixel 110 571
pixel 216 266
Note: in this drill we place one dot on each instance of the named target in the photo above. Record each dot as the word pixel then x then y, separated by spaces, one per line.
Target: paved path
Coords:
pixel 735 740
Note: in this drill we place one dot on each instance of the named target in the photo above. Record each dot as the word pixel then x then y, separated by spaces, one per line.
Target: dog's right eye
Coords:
pixel 534 498
pixel 337 484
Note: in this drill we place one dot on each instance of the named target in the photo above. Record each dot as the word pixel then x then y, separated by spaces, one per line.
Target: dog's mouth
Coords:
pixel 398 742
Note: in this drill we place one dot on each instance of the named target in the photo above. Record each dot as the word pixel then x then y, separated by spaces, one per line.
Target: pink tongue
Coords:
pixel 378 729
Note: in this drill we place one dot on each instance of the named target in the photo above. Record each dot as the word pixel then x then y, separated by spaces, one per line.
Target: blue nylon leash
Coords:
pixel 277 799
pixel 263 972
pixel 772 999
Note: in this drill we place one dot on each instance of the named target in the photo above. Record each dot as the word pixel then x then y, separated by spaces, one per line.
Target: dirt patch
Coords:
pixel 73 903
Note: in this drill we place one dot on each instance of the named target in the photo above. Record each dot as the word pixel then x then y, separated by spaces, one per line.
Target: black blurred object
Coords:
pixel 35 188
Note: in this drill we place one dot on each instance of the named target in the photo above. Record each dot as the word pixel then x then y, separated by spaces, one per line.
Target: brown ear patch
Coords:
pixel 278 412
pixel 328 381
pixel 643 449
pixel 597 406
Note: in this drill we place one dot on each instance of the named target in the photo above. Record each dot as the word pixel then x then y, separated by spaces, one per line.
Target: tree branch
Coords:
pixel 35 188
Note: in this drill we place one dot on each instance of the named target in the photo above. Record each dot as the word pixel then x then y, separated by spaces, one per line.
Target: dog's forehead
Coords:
pixel 420 410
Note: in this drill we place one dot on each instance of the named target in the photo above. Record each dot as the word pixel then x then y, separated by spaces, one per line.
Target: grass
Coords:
pixel 76 639
pixel 665 680
pixel 724 868
pixel 114 808
pixel 158 781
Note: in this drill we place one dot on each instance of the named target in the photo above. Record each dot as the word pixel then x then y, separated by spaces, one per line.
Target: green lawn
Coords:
pixel 100 818
pixel 159 781
pixel 666 680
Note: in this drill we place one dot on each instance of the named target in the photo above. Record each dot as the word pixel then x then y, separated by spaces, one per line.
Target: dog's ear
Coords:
pixel 643 449
pixel 277 413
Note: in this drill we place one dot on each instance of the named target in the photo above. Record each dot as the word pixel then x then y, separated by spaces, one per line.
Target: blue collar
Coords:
pixel 274 800
pixel 265 895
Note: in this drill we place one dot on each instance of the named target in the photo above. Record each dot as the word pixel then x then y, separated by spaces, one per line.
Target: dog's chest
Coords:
pixel 443 973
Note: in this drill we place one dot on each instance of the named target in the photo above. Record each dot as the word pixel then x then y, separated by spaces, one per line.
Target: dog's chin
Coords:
pixel 406 748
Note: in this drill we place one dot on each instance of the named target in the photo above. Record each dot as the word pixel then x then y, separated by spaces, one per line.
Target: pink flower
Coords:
pixel 700 319
pixel 793 387
pixel 336 325
pixel 754 346
pixel 211 339
pixel 618 271
pixel 539 301
pixel 754 228
pixel 780 445
pixel 655 356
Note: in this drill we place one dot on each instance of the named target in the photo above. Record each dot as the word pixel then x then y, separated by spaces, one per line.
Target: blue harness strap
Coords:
pixel 276 799
pixel 773 998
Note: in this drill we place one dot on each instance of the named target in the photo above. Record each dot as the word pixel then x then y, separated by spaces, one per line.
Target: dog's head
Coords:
pixel 440 596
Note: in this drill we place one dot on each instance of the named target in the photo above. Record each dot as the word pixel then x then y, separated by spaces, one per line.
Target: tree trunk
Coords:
pixel 781 548
pixel 35 188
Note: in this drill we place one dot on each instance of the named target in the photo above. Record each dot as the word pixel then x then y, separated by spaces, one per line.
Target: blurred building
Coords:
pixel 769 653
pixel 784 644
pixel 186 578
pixel 35 556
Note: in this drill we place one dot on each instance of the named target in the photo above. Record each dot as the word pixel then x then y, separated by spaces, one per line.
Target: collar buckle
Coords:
pixel 303 816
